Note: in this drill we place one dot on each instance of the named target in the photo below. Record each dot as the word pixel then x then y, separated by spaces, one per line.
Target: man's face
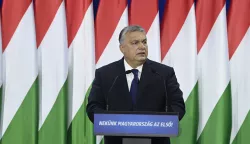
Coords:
pixel 134 47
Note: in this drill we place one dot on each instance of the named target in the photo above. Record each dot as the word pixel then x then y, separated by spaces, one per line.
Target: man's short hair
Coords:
pixel 132 28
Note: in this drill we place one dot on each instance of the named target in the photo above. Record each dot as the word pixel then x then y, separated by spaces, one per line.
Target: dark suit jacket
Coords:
pixel 150 95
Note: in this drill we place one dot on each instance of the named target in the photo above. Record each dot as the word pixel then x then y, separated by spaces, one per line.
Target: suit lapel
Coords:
pixel 145 79
pixel 122 81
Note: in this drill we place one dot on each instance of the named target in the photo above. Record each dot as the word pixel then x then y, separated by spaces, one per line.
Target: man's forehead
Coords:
pixel 137 35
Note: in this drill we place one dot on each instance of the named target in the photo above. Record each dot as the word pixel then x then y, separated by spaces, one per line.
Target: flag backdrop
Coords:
pixel 49 50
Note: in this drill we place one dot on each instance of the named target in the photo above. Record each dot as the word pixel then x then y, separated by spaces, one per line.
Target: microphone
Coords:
pixel 107 98
pixel 164 83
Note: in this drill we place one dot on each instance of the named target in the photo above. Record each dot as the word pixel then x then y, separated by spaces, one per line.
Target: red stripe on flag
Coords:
pixel 45 11
pixel 143 12
pixel 75 11
pixel 12 13
pixel 207 12
pixel 238 23
pixel 107 18
pixel 173 20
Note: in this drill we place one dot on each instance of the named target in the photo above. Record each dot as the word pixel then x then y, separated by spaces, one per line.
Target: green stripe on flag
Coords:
pixel 24 125
pixel 54 129
pixel 81 128
pixel 218 126
pixel 189 123
pixel 242 136
pixel 102 142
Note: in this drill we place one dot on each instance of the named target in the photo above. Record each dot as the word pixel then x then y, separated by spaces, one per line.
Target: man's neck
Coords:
pixel 134 64
pixel 129 67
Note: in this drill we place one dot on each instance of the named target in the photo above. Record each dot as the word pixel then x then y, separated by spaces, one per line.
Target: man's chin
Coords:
pixel 142 59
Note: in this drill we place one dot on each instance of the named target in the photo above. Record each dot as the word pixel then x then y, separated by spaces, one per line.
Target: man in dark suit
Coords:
pixel 141 90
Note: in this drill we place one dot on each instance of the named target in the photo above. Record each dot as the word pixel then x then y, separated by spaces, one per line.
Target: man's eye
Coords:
pixel 135 42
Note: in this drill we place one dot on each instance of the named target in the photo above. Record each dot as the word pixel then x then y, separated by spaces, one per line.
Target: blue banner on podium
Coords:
pixel 152 125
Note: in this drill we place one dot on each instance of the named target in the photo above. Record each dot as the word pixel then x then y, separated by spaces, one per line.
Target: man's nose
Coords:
pixel 142 45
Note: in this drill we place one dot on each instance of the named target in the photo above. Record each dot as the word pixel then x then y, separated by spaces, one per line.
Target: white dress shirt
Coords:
pixel 130 76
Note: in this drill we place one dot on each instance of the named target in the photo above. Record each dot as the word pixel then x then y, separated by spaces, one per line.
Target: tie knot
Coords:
pixel 135 72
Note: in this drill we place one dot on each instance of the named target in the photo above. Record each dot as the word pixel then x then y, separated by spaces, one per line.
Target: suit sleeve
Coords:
pixel 175 95
pixel 96 99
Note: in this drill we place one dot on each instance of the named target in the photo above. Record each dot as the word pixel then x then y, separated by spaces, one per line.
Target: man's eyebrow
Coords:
pixel 138 40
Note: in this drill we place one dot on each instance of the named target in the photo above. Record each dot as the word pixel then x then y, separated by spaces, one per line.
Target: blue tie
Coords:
pixel 134 85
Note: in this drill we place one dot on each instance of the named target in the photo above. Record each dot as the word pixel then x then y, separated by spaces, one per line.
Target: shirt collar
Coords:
pixel 128 67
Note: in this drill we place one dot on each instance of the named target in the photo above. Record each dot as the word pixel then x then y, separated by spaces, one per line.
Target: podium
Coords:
pixel 136 127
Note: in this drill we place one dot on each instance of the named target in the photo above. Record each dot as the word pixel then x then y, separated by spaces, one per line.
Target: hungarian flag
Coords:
pixel 239 48
pixel 80 26
pixel 179 50
pixel 19 116
pixel 1 63
pixel 52 46
pixel 213 70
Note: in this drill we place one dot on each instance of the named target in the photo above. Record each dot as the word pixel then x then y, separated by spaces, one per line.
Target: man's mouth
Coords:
pixel 141 53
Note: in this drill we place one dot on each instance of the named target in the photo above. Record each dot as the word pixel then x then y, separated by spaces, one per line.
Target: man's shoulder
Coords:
pixel 109 67
pixel 159 66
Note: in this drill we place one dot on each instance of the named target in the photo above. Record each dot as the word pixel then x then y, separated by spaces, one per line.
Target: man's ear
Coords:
pixel 121 48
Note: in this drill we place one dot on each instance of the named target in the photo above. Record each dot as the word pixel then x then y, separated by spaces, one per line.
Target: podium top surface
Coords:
pixel 138 112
